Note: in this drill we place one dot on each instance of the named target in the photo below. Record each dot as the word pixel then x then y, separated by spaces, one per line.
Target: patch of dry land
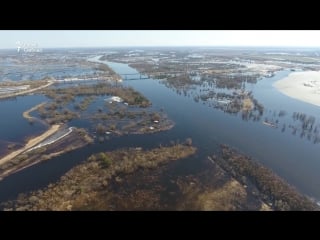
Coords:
pixel 31 143
pixel 23 92
pixel 85 187
pixel 36 150
pixel 304 86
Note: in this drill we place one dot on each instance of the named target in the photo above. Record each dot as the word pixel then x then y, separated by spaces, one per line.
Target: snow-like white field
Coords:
pixel 304 86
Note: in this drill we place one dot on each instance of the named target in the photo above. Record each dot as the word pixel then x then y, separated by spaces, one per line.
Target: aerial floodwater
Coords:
pixel 287 155
pixel 279 138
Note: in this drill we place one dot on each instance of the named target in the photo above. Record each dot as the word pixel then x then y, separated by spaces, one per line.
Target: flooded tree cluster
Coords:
pixel 271 188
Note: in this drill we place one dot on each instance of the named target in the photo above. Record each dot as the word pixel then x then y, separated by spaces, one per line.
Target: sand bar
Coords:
pixel 31 143
pixel 304 86
pixel 26 114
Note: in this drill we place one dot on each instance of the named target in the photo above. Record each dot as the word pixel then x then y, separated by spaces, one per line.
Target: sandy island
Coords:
pixel 31 143
pixel 304 86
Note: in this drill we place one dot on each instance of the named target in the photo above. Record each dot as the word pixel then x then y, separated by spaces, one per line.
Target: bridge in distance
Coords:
pixel 137 76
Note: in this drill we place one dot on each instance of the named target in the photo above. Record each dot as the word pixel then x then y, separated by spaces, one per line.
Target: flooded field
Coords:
pixel 248 114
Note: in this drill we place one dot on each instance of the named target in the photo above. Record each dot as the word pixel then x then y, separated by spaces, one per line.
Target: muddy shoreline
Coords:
pixel 76 139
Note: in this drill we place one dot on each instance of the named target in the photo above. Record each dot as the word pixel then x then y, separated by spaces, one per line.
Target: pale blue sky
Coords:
pixel 108 38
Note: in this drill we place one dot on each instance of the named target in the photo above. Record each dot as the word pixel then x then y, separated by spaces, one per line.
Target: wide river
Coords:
pixel 293 158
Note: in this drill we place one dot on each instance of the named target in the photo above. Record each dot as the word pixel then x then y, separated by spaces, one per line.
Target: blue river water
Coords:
pixel 293 158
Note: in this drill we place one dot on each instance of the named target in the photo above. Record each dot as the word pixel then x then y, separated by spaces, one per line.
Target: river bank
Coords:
pixel 304 86
pixel 48 145
pixel 31 143
pixel 24 92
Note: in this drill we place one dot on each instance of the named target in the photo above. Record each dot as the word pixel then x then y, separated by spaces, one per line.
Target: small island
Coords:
pixel 120 115
pixel 274 191
pixel 85 186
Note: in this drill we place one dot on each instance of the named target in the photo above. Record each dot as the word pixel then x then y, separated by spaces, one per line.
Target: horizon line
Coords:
pixel 169 46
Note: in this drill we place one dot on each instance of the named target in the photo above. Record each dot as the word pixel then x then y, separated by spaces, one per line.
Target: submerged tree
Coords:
pixel 188 142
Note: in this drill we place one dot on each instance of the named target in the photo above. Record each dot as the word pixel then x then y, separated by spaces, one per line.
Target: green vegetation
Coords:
pixel 57 112
pixel 229 195
pixel 104 160
pixel 85 186
pixel 182 80
pixel 179 74
pixel 233 181
pixel 272 189
pixel 238 101
pixel 128 94
pixel 126 121
pixel 84 104
pixel 54 115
